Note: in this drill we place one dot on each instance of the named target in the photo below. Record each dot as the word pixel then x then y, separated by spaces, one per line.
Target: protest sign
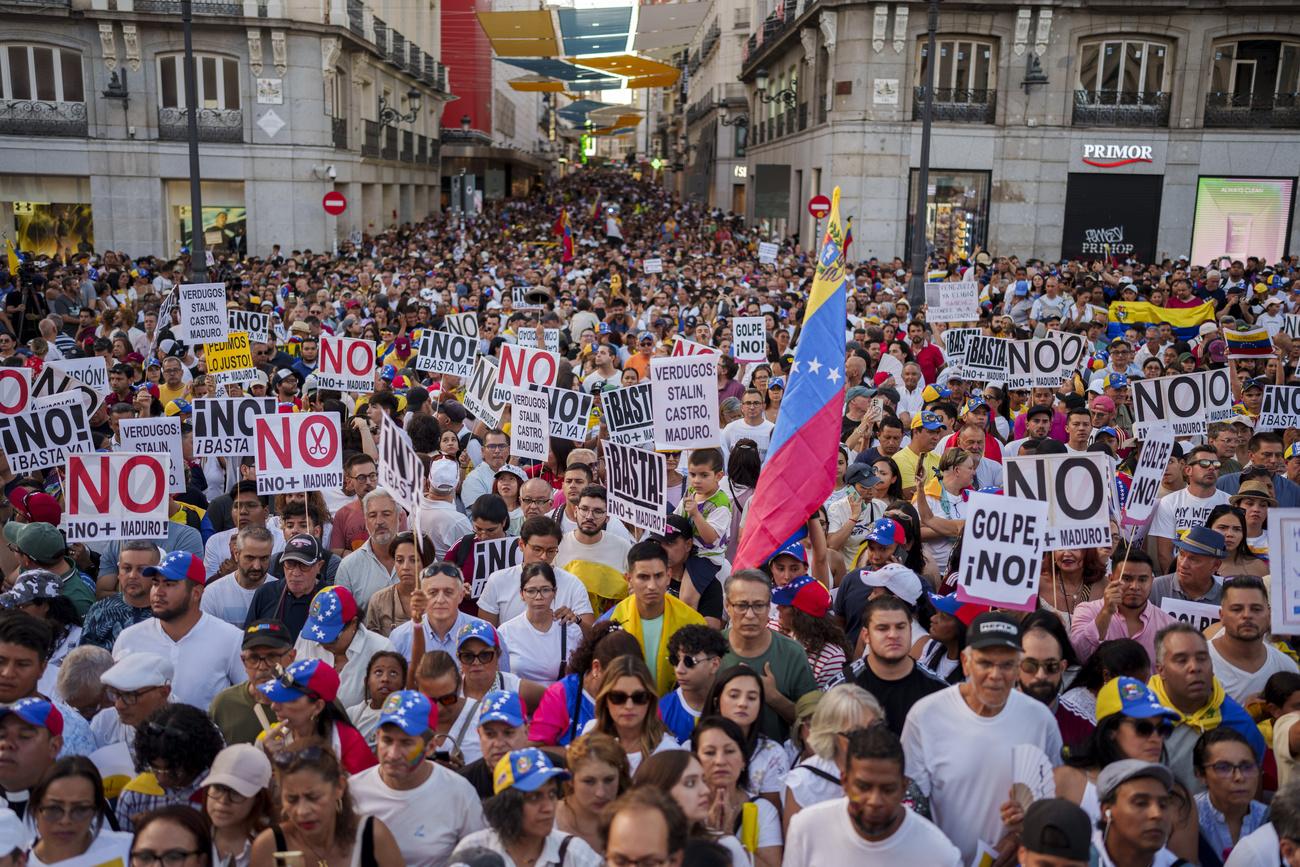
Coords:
pixel 346 364
pixel 1077 491
pixel 298 451
pixel 891 366
pixel 444 352
pixel 522 366
pixel 682 346
pixel 400 470
pixel 550 338
pixel 1218 396
pixel 653 266
pixel 51 381
pixel 638 486
pixel 629 414
pixel 986 357
pixel 684 392
pixel 1199 614
pixel 157 436
pixel 1074 350
pixel 1291 325
pixel 568 411
pixel 203 312
pixel 749 338
pixel 1001 546
pixel 955 341
pixel 116 496
pixel 952 302
pixel 492 555
pixel 1144 492
pixel 1284 566
pixel 464 324
pixel 529 429
pixel 480 393
pixel 1038 363
pixel 1183 401
pixel 45 436
pixel 1280 408
pixel 225 426
pixel 15 390
pixel 767 252
pixel 256 325
pixel 231 361
pixel 92 371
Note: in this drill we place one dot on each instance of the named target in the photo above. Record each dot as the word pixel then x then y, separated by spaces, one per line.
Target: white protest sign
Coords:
pixel 1199 614
pixel 492 555
pixel 986 357
pixel 15 390
pixel 480 397
pixel 767 252
pixel 464 324
pixel 550 338
pixel 400 469
pixel 1218 396
pixel 529 429
pixel 629 414
pixel 1291 325
pixel 203 312
pixel 955 341
pixel 116 496
pixel 522 366
pixel 51 381
pixel 1077 491
pixel 1074 349
pixel 568 411
pixel 682 346
pixel 1183 401
pixel 638 486
pixel 749 338
pixel 298 451
pixel 1280 408
pixel 519 295
pixel 1284 566
pixel 256 325
pixel 1038 363
pixel 1001 547
pixel 952 302
pixel 92 371
pixel 45 437
pixel 157 436
pixel 653 266
pixel 225 426
pixel 1144 492
pixel 891 366
pixel 444 352
pixel 685 394
pixel 346 364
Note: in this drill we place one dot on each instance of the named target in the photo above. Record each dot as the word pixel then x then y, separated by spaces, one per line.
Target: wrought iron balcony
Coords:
pixel 389 151
pixel 199 7
pixel 957 105
pixel 408 145
pixel 1261 111
pixel 357 18
pixel 1121 108
pixel 215 124
pixel 339 129
pixel 370 146
pixel 31 117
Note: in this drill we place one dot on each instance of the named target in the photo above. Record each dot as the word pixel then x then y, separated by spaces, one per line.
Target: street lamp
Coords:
pixel 389 116
pixel 198 255
pixel 920 248
pixel 741 120
pixel 786 95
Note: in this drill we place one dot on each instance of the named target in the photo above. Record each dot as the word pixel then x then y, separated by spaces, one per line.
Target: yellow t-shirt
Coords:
pixel 166 393
pixel 906 459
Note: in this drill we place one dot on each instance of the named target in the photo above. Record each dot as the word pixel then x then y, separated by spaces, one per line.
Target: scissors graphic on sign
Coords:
pixel 316 446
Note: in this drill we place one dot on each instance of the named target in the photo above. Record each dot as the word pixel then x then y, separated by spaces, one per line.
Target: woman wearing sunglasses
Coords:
pixel 627 709
pixel 1131 724
pixel 237 803
pixel 74 825
pixel 303 700
pixel 1226 765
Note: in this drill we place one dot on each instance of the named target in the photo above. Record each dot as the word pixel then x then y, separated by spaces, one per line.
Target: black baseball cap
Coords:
pixel 992 629
pixel 676 527
pixel 267 633
pixel 1057 828
pixel 1038 409
pixel 303 549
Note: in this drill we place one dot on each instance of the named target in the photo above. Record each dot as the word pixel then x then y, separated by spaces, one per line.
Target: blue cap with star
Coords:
pixel 526 770
pixel 332 609
pixel 411 711
pixel 501 705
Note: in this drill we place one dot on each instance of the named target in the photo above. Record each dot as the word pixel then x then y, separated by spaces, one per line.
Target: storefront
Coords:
pixel 1241 217
pixel 48 216
pixel 1111 215
pixel 956 211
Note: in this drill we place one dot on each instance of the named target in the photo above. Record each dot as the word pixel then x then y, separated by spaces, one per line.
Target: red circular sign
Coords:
pixel 819 206
pixel 334 204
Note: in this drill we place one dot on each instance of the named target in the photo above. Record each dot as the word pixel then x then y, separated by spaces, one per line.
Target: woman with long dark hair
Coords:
pixel 74 824
pixel 173 751
pixel 940 650
pixel 627 709
pixel 303 700
pixel 1231 522
pixel 802 606
pixel 737 695
pixel 722 749
pixel 680 774
pixel 237 801
pixel 569 703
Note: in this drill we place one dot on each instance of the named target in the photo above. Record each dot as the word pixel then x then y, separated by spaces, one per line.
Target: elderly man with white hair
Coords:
pixel 369 569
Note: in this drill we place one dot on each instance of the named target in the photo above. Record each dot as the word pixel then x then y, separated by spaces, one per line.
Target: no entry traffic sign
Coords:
pixel 335 204
pixel 819 206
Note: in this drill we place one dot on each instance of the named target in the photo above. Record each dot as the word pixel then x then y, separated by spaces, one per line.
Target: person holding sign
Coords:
pixel 1124 611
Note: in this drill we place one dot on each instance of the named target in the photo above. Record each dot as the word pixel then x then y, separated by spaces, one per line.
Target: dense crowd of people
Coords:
pixel 330 679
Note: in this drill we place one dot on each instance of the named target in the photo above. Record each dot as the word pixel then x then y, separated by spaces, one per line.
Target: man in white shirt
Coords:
pixel 752 425
pixel 910 399
pixel 1189 507
pixel 333 633
pixel 539 542
pixel 606 376
pixel 137 686
pixel 428 808
pixel 1243 660
pixel 496 453
pixel 439 519
pixel 960 741
pixel 596 556
pixel 229 596
pixel 869 825
pixel 203 650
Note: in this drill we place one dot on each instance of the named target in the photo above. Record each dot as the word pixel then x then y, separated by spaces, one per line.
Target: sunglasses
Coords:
pixel 1051 666
pixel 1145 728
pixel 445 700
pixel 483 657
pixel 688 661
pixel 640 698
pixel 284 759
pixel 1207 464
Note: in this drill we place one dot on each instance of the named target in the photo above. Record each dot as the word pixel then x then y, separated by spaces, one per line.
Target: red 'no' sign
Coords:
pixel 819 206
pixel 335 204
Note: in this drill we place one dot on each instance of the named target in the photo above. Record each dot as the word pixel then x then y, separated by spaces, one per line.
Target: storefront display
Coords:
pixel 224 226
pixel 1113 216
pixel 53 229
pixel 957 208
pixel 1242 217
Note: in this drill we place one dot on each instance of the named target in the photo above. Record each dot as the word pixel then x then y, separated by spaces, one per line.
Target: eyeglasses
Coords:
pixel 57 812
pixel 1207 464
pixel 1049 666
pixel 538 592
pixel 445 700
pixel 1145 728
pixel 743 608
pixel 688 661
pixel 218 792
pixel 1228 769
pixel 640 697
pixel 366 477
pixel 646 861
pixel 127 698
pixel 543 551
pixel 496 446
pixel 252 660
pixel 483 657
pixel 587 510
pixel 245 505
pixel 538 501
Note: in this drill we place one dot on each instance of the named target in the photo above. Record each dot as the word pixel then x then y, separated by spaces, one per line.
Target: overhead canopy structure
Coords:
pixel 520 34
pixel 665 25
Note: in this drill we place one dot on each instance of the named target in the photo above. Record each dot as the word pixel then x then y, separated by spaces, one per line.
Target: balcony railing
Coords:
pixel 339 131
pixel 30 117
pixel 1121 108
pixel 199 7
pixel 370 146
pixel 957 105
pixel 408 146
pixel 48 4
pixel 389 151
pixel 215 124
pixel 357 18
pixel 1262 111
pixel 803 116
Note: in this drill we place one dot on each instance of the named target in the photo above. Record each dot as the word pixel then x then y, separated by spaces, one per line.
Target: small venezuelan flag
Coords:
pixel 1251 343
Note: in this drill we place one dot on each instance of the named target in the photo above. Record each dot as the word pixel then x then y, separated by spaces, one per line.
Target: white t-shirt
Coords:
pixel 824 834
pixel 1240 684
pixel 205 661
pixel 740 429
pixel 1257 849
pixel 227 599
pixel 611 550
pixel 1181 511
pixel 536 655
pixel 809 788
pixel 501 594
pixel 767 768
pixel 576 854
pixel 426 836
pixel 108 847
pixel 963 760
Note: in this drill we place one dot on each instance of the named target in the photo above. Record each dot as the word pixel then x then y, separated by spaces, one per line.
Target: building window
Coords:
pixel 218 81
pixel 965 85
pixel 1255 82
pixel 38 72
pixel 1122 82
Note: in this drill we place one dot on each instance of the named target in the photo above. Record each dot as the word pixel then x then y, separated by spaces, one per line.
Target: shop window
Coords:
pixel 956 217
pixel 217 79
pixel 42 73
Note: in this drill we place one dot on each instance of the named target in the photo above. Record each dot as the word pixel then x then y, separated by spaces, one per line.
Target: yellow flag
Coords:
pixel 13 258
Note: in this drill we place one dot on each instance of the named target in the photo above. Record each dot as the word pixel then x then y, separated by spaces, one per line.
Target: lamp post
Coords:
pixel 920 248
pixel 389 116
pixel 198 254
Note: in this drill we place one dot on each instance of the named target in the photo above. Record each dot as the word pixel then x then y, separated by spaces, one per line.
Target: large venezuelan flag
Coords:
pixel 1185 321
pixel 799 473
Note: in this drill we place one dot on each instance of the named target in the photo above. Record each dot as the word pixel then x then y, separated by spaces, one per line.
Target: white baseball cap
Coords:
pixel 241 767
pixel 139 671
pixel 443 476
pixel 897 579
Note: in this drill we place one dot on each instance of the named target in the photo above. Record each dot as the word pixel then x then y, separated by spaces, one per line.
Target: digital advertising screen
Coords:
pixel 1240 217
